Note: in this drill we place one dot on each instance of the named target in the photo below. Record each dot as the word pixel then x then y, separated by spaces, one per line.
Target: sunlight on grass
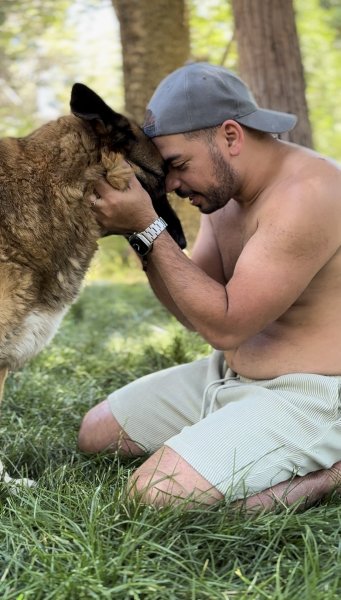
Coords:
pixel 115 261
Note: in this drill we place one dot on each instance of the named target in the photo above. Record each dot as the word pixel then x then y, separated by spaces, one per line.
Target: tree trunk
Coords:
pixel 270 60
pixel 155 41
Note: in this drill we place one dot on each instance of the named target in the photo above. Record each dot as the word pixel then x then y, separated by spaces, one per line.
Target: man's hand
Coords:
pixel 123 212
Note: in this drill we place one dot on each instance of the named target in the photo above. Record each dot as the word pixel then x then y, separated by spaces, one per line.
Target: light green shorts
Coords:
pixel 242 435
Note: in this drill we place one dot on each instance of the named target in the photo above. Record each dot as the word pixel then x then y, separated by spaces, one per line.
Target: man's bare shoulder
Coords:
pixel 310 176
pixel 308 190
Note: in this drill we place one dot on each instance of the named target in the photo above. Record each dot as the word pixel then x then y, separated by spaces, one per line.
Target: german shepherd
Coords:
pixel 48 232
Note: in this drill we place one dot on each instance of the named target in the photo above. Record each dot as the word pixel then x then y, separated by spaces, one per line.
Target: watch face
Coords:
pixel 141 248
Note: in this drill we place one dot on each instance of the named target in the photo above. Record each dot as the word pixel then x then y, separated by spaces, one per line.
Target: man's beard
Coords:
pixel 227 184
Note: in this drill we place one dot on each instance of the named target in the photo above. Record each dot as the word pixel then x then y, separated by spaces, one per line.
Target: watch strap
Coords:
pixel 142 242
pixel 154 229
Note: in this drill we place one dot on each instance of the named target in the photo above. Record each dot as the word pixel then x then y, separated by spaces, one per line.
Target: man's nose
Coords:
pixel 172 182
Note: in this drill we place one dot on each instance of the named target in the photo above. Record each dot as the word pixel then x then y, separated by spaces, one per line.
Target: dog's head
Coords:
pixel 118 134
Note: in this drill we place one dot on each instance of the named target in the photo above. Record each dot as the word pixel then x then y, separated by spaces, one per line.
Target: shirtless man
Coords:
pixel 260 419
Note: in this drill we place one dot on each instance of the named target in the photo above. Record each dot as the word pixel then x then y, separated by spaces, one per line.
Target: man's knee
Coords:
pixel 100 431
pixel 167 479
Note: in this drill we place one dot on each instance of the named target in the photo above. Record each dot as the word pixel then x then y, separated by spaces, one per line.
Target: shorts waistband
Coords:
pixel 232 378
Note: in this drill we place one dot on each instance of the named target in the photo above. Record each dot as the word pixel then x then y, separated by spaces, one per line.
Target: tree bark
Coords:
pixel 155 41
pixel 270 60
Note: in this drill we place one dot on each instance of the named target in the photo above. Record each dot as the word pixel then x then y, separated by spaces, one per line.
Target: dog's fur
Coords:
pixel 48 232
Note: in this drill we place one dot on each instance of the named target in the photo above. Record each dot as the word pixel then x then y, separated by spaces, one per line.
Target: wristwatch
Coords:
pixel 142 242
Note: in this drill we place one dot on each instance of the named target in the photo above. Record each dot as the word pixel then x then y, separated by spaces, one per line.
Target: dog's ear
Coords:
pixel 87 105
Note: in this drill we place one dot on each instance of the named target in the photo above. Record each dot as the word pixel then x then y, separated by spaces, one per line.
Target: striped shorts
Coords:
pixel 241 435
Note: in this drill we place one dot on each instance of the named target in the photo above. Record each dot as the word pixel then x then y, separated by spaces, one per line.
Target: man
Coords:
pixel 263 287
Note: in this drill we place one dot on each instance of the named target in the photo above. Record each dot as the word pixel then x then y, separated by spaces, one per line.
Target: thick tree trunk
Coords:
pixel 270 60
pixel 155 41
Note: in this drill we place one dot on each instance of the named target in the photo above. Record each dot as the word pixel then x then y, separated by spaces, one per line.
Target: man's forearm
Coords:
pixel 201 300
pixel 161 292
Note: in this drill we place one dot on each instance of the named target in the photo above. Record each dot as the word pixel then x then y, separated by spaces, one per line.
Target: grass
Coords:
pixel 75 536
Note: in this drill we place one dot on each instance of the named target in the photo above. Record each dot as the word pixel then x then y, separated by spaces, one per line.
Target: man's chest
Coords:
pixel 233 227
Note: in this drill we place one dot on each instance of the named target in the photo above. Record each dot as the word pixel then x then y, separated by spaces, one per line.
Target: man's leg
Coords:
pixel 186 470
pixel 302 491
pixel 100 431
pixel 149 410
pixel 242 447
pixel 166 478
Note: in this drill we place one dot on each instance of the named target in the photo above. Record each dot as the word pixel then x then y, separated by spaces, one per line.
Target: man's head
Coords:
pixel 201 95
pixel 198 167
pixel 199 117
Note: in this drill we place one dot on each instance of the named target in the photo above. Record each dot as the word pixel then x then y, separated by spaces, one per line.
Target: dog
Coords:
pixel 48 232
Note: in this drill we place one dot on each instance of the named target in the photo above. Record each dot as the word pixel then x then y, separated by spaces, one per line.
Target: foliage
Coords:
pixel 334 14
pixel 47 45
pixel 319 26
pixel 28 31
pixel 212 32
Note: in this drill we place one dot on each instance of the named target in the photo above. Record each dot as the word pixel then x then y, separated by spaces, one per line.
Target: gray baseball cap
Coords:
pixel 201 95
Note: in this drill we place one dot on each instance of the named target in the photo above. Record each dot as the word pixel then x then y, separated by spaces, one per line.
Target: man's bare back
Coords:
pixel 305 338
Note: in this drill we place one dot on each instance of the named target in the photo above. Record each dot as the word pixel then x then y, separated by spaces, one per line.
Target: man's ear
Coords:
pixel 86 104
pixel 234 136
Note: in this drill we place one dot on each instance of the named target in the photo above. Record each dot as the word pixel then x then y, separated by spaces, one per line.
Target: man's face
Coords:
pixel 197 170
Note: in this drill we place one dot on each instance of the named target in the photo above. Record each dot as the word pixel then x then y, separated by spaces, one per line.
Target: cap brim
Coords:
pixel 270 121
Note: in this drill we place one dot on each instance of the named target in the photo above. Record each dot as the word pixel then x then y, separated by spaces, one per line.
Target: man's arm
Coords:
pixel 294 240
pixel 205 255
pixel 114 213
pixel 161 292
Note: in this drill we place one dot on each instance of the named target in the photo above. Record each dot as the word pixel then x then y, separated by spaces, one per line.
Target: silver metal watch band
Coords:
pixel 154 229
